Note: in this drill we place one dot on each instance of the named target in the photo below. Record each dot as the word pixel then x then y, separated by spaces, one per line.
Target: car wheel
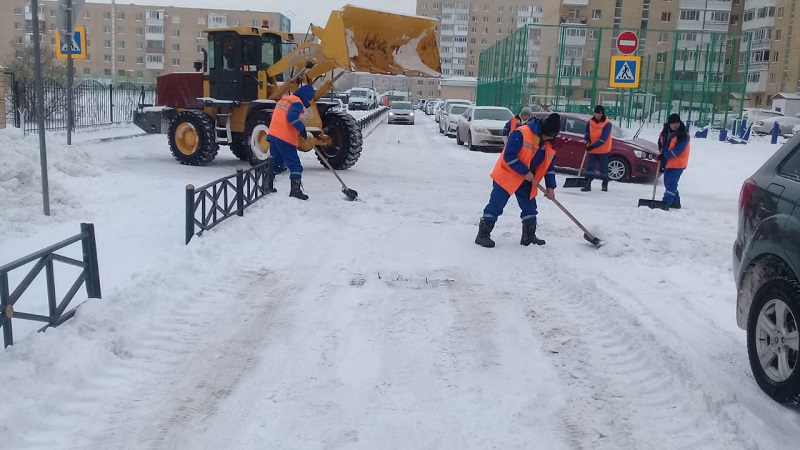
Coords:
pixel 471 147
pixel 618 169
pixel 773 345
pixel 458 139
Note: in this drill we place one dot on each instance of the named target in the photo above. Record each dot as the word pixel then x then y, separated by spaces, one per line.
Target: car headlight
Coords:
pixel 644 155
pixel 481 130
pixel 411 114
pixel 391 113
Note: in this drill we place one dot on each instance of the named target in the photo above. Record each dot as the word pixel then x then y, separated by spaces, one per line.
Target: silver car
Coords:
pixel 482 126
pixel 401 112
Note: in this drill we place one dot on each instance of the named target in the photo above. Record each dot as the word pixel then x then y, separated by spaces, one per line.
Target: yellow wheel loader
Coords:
pixel 246 70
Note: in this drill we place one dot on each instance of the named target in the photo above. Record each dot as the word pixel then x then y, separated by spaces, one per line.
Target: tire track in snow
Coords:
pixel 595 342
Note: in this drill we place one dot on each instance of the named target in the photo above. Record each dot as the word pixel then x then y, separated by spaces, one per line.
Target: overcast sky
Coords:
pixel 301 12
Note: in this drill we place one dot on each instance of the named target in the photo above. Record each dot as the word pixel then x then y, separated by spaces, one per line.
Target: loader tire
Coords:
pixel 346 140
pixel 239 147
pixel 256 130
pixel 191 138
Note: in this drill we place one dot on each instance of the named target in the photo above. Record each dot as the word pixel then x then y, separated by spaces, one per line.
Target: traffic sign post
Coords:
pixel 627 42
pixel 625 71
pixel 75 47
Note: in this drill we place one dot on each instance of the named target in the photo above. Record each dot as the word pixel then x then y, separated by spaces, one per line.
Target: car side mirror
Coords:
pixel 469 119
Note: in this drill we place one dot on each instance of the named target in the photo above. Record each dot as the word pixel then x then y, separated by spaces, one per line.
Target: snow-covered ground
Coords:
pixel 379 323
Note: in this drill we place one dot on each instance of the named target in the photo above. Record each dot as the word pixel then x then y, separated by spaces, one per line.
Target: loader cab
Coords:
pixel 233 62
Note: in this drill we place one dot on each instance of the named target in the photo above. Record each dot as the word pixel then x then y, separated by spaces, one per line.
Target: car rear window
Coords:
pixel 457 109
pixel 492 114
pixel 790 167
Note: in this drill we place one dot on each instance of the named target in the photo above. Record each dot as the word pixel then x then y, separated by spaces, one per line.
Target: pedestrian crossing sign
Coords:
pixel 625 71
pixel 77 46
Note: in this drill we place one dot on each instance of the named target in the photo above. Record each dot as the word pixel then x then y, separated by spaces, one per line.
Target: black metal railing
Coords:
pixel 95 104
pixel 370 118
pixel 90 276
pixel 209 205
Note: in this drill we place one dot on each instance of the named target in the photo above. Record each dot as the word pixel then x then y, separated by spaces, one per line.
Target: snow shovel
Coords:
pixel 594 240
pixel 579 182
pixel 653 203
pixel 351 194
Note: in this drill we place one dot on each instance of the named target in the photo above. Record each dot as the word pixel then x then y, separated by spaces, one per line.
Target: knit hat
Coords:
pixel 551 125
pixel 674 118
pixel 599 109
pixel 526 111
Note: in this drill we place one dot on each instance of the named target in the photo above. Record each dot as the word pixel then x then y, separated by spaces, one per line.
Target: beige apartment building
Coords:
pixel 469 27
pixel 134 43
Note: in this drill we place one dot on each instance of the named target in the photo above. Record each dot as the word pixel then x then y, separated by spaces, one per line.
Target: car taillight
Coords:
pixel 745 196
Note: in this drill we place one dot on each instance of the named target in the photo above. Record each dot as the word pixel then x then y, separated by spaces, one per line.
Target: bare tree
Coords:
pixel 20 62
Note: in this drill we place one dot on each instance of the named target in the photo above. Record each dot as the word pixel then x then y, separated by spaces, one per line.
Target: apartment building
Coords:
pixel 469 27
pixel 129 42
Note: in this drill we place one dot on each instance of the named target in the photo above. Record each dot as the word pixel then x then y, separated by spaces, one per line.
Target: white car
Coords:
pixel 482 126
pixel 764 125
pixel 449 122
pixel 443 112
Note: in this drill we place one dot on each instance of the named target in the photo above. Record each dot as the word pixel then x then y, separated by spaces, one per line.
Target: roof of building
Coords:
pixel 786 95
pixel 459 81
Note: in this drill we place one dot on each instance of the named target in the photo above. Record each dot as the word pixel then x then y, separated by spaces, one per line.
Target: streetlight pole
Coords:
pixel 38 87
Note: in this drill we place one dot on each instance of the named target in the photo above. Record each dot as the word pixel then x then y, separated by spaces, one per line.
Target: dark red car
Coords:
pixel 629 159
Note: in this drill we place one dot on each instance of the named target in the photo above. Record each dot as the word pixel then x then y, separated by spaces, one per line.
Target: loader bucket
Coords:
pixel 365 40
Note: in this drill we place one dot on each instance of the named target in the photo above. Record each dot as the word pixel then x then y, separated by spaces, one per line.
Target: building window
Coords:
pixel 176 18
pixel 140 60
pixel 107 15
pixel 107 58
pixel 87 71
pixel 176 61
pixel 120 44
pixel 778 34
pixel 201 20
pixel 666 16
pixel 772 78
pixel 121 15
pixel 107 72
pixel 107 29
pixel 121 58
pixel 139 45
pixel 176 47
pixel 176 33
pixel 596 13
pixel 107 44
pixel 688 15
pixel 139 17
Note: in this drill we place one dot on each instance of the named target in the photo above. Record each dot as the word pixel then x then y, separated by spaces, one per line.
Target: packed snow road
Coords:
pixel 380 324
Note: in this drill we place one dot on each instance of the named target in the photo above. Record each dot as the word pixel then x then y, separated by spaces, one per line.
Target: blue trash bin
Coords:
pixel 723 134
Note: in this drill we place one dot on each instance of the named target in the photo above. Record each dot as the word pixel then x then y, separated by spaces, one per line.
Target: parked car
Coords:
pixel 753 114
pixel 431 106
pixel 482 126
pixel 401 112
pixel 337 103
pixel 629 158
pixel 443 110
pixel 766 266
pixel 785 124
pixel 450 119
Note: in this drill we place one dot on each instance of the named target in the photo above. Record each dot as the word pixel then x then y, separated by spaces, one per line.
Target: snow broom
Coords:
pixel 351 194
pixel 592 239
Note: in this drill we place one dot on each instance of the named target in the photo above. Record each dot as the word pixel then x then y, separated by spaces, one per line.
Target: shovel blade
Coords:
pixel 594 240
pixel 575 182
pixel 653 204
pixel 351 194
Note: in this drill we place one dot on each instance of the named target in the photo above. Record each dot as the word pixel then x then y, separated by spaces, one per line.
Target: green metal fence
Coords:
pixel 698 74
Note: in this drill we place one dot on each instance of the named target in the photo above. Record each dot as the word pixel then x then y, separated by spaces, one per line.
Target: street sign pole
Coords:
pixel 37 69
pixel 70 70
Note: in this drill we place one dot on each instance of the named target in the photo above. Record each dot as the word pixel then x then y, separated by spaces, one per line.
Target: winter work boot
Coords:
pixel 529 234
pixel 605 186
pixel 484 238
pixel 675 205
pixel 297 189
pixel 587 188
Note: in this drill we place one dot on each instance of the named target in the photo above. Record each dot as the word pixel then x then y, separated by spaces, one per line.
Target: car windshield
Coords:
pixel 401 105
pixel 492 114
pixel 358 93
pixel 458 109
pixel 618 133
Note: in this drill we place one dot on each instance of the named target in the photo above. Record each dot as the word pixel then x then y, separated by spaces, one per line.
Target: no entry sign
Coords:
pixel 627 42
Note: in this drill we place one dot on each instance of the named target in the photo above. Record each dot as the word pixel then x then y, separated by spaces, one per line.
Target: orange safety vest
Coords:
pixel 595 131
pixel 514 124
pixel 508 178
pixel 683 159
pixel 279 126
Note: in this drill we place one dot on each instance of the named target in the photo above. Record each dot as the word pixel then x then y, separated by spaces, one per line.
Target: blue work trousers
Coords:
pixel 591 166
pixel 284 155
pixel 499 198
pixel 671 178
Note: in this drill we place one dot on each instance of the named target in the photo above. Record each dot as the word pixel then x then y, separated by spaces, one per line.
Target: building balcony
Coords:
pixel 566 20
pixel 575 2
pixel 155 36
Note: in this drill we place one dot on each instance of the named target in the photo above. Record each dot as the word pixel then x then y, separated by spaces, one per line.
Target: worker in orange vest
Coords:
pixel 675 147
pixel 285 128
pixel 517 120
pixel 528 157
pixel 598 144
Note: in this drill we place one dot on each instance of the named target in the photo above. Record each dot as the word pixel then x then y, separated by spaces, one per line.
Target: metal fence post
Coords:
pixel 189 212
pixel 6 311
pixel 270 178
pixel 111 100
pixel 89 245
pixel 239 192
